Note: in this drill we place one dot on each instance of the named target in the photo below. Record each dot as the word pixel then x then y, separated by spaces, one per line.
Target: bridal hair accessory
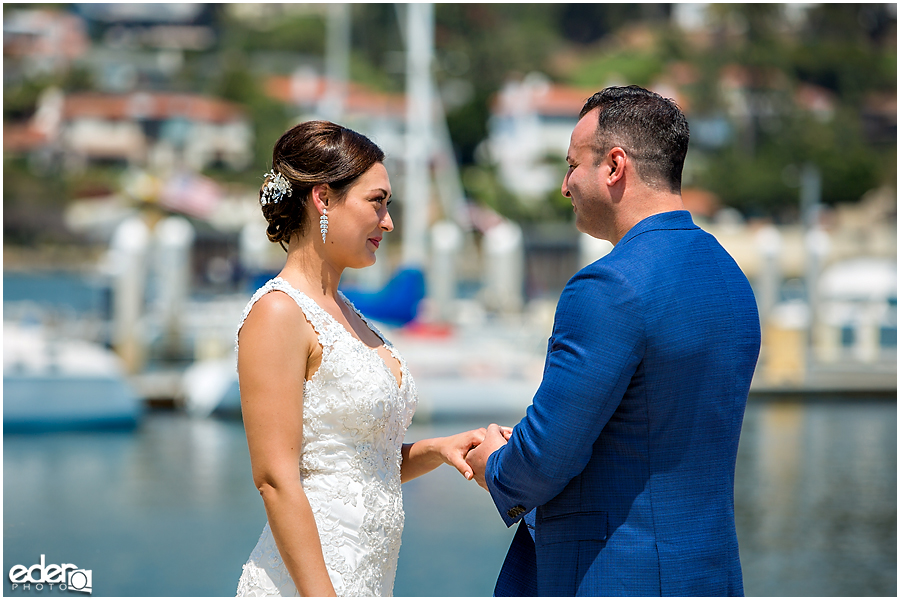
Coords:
pixel 277 188
pixel 323 223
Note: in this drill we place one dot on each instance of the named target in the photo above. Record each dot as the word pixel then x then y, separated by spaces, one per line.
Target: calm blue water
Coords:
pixel 170 510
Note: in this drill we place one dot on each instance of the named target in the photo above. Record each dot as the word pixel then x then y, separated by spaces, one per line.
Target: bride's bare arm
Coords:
pixel 426 455
pixel 273 352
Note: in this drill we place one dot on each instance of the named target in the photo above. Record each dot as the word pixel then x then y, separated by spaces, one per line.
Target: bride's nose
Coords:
pixel 386 223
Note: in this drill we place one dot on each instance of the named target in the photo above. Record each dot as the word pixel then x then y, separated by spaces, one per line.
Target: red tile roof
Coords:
pixel 19 137
pixel 150 105
pixel 562 101
pixel 550 100
pixel 358 99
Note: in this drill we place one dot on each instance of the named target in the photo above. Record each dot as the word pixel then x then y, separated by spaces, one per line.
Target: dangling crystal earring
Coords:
pixel 323 223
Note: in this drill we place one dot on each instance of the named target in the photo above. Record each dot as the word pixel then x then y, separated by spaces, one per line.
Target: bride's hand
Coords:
pixel 454 448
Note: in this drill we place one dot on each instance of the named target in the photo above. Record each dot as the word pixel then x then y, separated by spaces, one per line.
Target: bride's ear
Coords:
pixel 319 197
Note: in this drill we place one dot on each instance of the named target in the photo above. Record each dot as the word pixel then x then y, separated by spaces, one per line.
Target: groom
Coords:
pixel 622 471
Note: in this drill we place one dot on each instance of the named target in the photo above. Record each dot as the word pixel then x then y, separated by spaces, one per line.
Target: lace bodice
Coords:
pixel 355 416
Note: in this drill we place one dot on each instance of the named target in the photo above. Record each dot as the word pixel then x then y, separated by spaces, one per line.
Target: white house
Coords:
pixel 528 133
pixel 146 129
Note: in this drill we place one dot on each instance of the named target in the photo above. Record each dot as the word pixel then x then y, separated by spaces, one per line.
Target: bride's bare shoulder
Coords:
pixel 275 315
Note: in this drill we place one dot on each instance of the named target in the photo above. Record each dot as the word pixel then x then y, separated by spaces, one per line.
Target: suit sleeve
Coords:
pixel 596 346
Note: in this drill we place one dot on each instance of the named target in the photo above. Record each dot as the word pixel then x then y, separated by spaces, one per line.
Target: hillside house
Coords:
pixel 144 129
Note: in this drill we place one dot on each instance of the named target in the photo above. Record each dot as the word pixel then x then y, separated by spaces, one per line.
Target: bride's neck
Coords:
pixel 306 266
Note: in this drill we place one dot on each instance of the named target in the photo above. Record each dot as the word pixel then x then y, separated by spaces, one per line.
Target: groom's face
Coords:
pixel 583 180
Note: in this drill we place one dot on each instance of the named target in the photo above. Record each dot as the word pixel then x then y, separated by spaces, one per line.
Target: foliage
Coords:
pixel 639 68
pixel 301 34
pixel 837 53
pixel 20 183
pixel 377 46
pixel 240 83
pixel 483 184
pixel 846 50
pixel 498 40
pixel 20 101
pixel 34 199
pixel 586 23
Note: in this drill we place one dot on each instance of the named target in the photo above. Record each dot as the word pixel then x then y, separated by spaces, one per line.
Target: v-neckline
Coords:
pixel 384 344
pixel 374 350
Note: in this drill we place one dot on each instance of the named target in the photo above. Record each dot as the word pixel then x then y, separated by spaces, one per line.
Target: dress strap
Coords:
pixel 387 343
pixel 365 320
pixel 315 314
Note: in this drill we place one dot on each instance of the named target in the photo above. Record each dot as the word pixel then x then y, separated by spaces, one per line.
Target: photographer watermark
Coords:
pixel 62 577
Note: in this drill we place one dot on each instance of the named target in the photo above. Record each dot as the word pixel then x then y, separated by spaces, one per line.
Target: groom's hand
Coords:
pixel 478 456
pixel 455 447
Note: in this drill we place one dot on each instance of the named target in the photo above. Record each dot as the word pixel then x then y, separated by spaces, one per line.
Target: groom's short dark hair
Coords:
pixel 651 129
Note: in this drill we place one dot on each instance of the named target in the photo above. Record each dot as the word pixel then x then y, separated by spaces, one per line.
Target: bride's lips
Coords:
pixel 375 241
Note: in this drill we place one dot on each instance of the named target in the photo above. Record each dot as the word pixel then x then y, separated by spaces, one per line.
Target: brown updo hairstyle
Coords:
pixel 310 154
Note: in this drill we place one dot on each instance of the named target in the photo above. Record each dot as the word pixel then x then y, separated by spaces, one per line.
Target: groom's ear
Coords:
pixel 616 160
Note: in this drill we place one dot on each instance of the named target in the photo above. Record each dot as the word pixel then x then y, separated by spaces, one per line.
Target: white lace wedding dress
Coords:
pixel 354 418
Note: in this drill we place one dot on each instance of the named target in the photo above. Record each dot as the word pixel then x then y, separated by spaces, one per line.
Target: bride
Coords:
pixel 321 388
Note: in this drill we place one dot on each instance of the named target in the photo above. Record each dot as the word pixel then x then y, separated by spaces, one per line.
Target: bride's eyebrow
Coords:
pixel 384 192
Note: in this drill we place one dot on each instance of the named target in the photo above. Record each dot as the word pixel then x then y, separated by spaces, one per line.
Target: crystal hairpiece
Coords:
pixel 277 188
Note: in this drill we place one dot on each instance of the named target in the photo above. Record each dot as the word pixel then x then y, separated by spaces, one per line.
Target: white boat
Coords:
pixel 487 372
pixel 211 386
pixel 62 384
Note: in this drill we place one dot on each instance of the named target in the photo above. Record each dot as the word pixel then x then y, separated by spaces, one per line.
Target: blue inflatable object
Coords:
pixel 396 303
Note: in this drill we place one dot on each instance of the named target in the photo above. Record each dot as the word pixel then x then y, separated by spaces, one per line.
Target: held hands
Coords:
pixel 476 459
pixel 425 455
pixel 455 448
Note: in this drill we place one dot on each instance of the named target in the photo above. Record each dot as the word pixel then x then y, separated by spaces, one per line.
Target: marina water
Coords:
pixel 169 509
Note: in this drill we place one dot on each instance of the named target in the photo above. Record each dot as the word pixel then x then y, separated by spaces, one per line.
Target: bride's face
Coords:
pixel 357 224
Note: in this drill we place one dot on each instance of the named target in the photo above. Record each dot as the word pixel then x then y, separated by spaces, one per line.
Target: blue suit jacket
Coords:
pixel 625 459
